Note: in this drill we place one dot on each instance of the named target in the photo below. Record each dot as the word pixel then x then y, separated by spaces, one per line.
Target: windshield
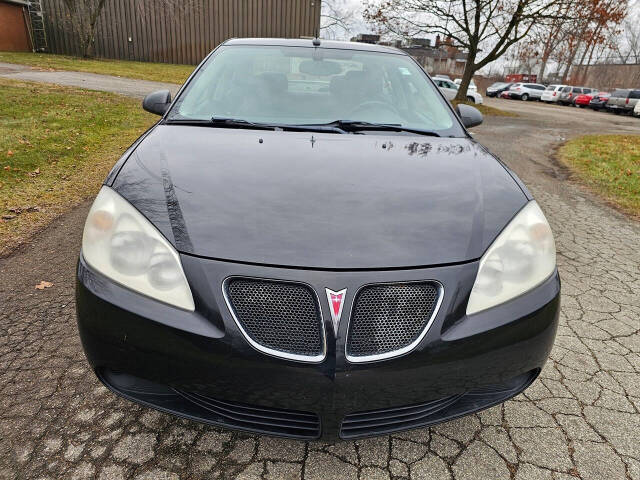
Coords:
pixel 310 86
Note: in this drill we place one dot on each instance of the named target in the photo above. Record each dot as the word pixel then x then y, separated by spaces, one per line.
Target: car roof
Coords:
pixel 307 42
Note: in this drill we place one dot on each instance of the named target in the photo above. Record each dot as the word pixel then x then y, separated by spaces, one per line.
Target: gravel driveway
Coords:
pixel 580 419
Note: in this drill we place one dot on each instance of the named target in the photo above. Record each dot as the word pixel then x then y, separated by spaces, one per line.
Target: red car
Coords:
pixel 584 99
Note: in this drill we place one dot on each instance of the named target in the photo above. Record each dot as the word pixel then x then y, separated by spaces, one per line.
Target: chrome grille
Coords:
pixel 390 319
pixel 279 318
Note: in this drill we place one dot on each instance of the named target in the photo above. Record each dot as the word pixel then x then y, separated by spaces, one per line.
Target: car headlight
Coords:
pixel 520 258
pixel 121 244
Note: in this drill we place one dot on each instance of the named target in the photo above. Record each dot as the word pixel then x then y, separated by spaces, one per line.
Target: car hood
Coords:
pixel 320 200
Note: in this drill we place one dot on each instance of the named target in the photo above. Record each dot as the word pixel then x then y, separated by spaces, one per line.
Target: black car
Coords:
pixel 310 244
pixel 495 89
pixel 599 101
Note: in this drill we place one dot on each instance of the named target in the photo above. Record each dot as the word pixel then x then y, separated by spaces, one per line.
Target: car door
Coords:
pixel 537 91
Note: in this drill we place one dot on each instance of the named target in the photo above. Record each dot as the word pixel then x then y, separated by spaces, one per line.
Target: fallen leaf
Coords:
pixel 8 167
pixel 8 217
pixel 9 153
pixel 42 285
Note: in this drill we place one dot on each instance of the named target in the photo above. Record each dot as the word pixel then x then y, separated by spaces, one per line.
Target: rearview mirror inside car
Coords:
pixel 157 102
pixel 320 68
pixel 469 115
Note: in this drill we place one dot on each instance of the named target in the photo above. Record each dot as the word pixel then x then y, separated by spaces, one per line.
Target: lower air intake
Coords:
pixel 394 419
pixel 204 408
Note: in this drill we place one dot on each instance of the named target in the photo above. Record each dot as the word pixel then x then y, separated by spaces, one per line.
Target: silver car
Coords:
pixel 526 91
pixel 623 100
pixel 450 90
pixel 569 94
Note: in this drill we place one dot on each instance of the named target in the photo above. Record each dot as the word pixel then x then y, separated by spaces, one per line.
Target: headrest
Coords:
pixel 274 82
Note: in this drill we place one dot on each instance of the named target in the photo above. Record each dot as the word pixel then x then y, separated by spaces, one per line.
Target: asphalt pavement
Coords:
pixel 90 81
pixel 580 419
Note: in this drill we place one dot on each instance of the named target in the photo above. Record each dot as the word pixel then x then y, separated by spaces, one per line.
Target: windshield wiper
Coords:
pixel 220 122
pixel 359 126
pixel 224 122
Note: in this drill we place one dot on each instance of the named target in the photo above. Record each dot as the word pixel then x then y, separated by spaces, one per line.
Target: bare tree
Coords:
pixel 336 19
pixel 84 17
pixel 484 28
pixel 525 55
pixel 626 45
pixel 552 33
pixel 590 30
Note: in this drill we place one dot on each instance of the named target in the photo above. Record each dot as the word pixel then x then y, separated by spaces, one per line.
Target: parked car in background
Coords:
pixel 552 93
pixel 450 90
pixel 506 94
pixel 526 91
pixel 636 110
pixel 472 85
pixel 584 99
pixel 599 101
pixel 495 89
pixel 569 94
pixel 623 100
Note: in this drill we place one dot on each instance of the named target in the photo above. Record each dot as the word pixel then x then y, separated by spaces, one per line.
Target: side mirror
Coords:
pixel 469 115
pixel 157 102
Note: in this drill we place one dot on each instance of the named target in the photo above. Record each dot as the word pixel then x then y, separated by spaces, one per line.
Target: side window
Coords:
pixel 566 89
pixel 634 94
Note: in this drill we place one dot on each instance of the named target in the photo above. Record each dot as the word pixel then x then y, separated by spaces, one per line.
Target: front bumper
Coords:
pixel 198 365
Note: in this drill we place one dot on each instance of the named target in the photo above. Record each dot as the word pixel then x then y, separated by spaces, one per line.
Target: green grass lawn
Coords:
pixel 56 146
pixel 159 72
pixel 610 165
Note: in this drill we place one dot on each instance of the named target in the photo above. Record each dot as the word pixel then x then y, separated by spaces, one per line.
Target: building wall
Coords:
pixel 14 36
pixel 606 77
pixel 180 31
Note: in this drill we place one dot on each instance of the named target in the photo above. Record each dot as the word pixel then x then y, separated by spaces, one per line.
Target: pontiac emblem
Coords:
pixel 336 302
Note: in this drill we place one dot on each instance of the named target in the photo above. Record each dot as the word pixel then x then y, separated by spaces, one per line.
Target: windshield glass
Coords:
pixel 303 86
